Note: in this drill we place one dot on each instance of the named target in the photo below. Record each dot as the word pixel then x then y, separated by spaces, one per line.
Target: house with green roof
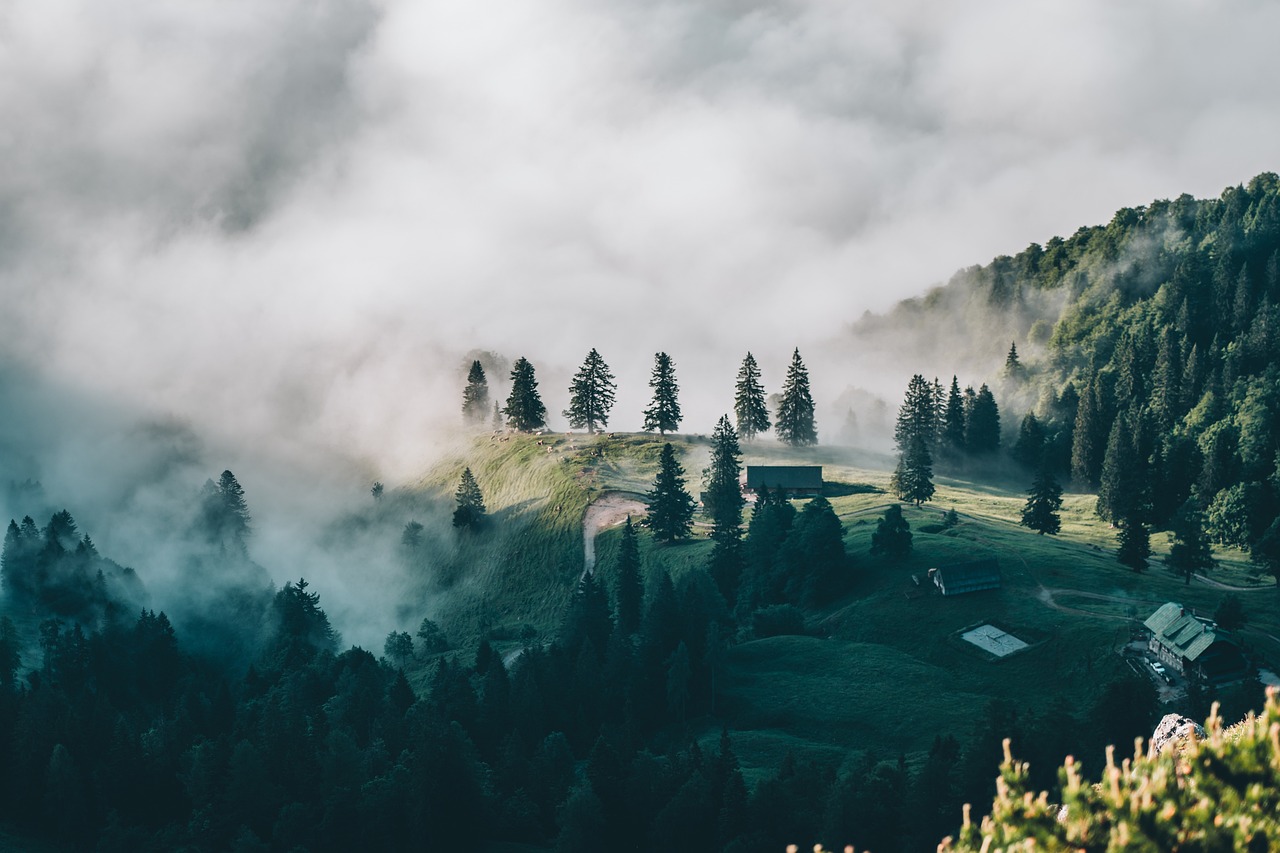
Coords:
pixel 1193 646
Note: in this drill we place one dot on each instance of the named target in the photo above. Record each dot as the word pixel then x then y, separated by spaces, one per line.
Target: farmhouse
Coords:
pixel 960 578
pixel 1193 646
pixel 792 480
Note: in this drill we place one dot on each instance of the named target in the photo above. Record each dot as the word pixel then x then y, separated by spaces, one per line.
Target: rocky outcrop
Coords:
pixel 1172 729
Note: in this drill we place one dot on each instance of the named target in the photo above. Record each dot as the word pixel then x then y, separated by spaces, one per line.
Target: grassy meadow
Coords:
pixel 885 670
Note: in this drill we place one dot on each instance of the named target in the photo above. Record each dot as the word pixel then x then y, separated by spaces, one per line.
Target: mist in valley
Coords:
pixel 271 240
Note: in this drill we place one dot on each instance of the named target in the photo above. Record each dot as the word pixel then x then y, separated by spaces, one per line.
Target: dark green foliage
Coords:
pixel 524 410
pixel 663 413
pixel 777 620
pixel 1030 447
pixel 795 423
pixel 1120 490
pixel 913 478
pixel 377 490
pixel 591 394
pixel 1012 366
pixel 224 515
pixel 953 420
pixel 1089 438
pixel 1237 515
pixel 813 559
pixel 982 426
pixel 628 590
pixel 1044 499
pixel 301 628
pixel 398 647
pixel 470 510
pixel 917 416
pixel 431 638
pixel 1265 553
pixel 723 501
pixel 892 536
pixel 1135 544
pixel 475 396
pixel 670 506
pixel 1190 549
pixel 749 408
pixel 1230 613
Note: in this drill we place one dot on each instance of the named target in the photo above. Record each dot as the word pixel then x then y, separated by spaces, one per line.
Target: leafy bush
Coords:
pixel 1221 793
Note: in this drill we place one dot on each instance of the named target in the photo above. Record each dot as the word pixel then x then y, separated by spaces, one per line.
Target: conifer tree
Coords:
pixel 724 503
pixel 1135 544
pixel 475 396
pixel 663 413
pixel 590 394
pixel 749 405
pixel 628 590
pixel 1030 446
pixel 524 410
pixel 982 427
pixel 1190 549
pixel 1120 487
pixel 892 536
pixel 470 510
pixel 913 433
pixel 670 506
pixel 917 416
pixel 795 423
pixel 953 420
pixel 1040 512
pixel 1087 449
pixel 913 478
pixel 1012 366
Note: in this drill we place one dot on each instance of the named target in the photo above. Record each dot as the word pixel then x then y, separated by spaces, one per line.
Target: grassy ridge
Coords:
pixel 890 672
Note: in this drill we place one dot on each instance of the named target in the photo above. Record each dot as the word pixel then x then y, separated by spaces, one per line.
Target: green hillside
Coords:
pixel 884 671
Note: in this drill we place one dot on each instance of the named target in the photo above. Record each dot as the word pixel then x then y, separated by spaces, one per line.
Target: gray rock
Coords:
pixel 1173 728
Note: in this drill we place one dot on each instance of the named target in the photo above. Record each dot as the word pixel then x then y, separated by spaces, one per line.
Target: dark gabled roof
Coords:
pixel 972 572
pixel 1180 631
pixel 784 476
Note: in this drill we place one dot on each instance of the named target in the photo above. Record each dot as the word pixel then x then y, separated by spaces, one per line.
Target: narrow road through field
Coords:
pixel 608 510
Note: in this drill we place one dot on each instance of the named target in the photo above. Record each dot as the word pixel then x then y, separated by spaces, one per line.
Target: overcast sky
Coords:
pixel 292 218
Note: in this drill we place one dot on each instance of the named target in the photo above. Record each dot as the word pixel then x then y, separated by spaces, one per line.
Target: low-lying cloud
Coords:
pixel 281 225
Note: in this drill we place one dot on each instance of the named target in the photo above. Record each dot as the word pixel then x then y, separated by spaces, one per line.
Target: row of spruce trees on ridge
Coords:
pixel 592 392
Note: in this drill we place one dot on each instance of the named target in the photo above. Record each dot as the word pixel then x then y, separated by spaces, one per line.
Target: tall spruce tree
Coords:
pixel 470 502
pixel 795 424
pixel 1030 447
pixel 475 396
pixel 1088 444
pixel 628 589
pixel 524 410
pixel 982 427
pixel 670 506
pixel 953 420
pixel 1040 512
pixel 1135 544
pixel 913 478
pixel 914 433
pixel 663 413
pixel 590 394
pixel 1012 365
pixel 917 415
pixel 1120 487
pixel 892 536
pixel 749 407
pixel 724 502
pixel 1190 549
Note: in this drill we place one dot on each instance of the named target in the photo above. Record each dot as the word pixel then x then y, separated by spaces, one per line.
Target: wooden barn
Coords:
pixel 1193 646
pixel 959 578
pixel 794 480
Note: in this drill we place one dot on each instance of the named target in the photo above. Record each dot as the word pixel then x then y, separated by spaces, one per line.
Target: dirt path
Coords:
pixel 608 510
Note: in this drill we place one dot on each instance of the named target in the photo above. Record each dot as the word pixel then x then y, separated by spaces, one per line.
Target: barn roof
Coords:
pixel 784 476
pixel 1181 632
pixel 974 571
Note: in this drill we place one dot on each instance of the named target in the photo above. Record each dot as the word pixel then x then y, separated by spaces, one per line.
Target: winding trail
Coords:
pixel 608 510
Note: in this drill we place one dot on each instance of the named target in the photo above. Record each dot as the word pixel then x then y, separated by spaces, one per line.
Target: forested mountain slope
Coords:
pixel 1150 356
